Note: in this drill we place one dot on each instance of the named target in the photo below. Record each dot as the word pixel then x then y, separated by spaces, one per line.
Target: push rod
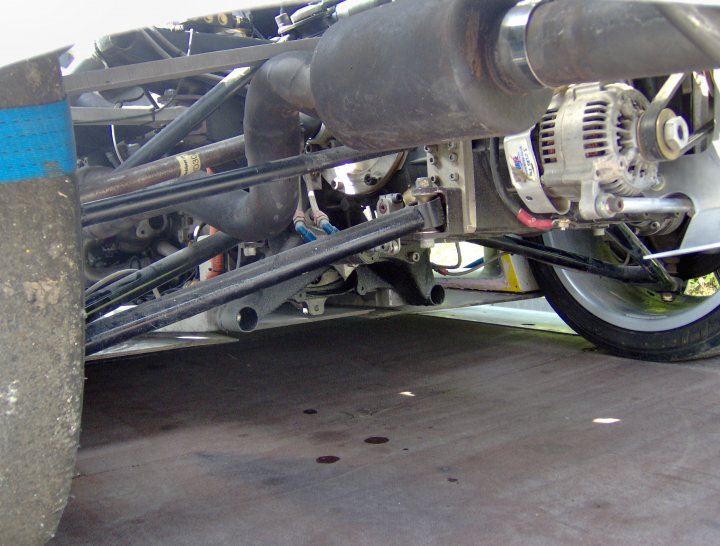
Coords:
pixel 568 260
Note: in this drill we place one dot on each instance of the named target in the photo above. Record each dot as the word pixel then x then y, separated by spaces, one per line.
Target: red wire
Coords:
pixel 530 221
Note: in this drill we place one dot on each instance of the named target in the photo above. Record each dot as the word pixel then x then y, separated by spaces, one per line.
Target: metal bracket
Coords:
pixel 433 214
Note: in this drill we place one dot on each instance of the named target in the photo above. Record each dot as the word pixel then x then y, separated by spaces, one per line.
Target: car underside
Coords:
pixel 272 166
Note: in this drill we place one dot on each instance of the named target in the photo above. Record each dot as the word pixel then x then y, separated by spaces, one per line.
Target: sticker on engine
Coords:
pixel 524 174
pixel 189 163
pixel 521 158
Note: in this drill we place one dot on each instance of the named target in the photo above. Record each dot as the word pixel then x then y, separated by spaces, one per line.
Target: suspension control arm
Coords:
pixel 270 271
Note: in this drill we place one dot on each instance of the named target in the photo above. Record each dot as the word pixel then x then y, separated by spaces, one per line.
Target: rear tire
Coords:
pixel 626 320
pixel 41 361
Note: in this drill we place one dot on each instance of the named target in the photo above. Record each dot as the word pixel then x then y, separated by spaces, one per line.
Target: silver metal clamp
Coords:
pixel 512 53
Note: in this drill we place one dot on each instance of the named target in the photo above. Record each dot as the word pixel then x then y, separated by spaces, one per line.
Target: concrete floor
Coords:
pixel 496 445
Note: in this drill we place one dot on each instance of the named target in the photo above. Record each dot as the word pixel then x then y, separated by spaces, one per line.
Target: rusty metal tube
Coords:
pixel 100 183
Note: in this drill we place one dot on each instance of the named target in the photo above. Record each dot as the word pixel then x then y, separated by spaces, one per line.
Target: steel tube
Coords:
pixel 698 24
pixel 179 128
pixel 653 205
pixel 159 198
pixel 575 41
pixel 104 115
pixel 180 67
pixel 270 271
pixel 101 184
pixel 158 273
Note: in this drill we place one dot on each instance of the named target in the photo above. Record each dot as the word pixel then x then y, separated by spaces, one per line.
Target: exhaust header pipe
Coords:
pixel 420 71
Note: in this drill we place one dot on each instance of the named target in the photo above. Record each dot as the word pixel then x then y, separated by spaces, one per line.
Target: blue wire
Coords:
pixel 328 228
pixel 305 233
pixel 476 263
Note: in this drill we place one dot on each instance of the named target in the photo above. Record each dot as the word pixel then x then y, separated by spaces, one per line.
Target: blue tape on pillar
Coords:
pixel 36 142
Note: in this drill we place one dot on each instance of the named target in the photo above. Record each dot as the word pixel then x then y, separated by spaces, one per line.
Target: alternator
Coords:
pixel 588 148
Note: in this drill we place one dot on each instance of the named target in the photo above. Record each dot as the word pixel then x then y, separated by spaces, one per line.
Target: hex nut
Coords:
pixel 676 133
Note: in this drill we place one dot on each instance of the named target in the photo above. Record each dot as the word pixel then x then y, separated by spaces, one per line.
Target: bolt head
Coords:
pixel 283 20
pixel 676 133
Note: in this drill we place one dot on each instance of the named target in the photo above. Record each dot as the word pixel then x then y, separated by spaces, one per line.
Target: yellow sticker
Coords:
pixel 513 284
pixel 189 163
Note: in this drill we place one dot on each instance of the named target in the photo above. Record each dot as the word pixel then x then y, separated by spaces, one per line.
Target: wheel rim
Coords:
pixel 624 305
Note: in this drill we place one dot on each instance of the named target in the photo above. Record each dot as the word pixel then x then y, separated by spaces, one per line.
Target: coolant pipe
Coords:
pixel 651 205
pixel 279 90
